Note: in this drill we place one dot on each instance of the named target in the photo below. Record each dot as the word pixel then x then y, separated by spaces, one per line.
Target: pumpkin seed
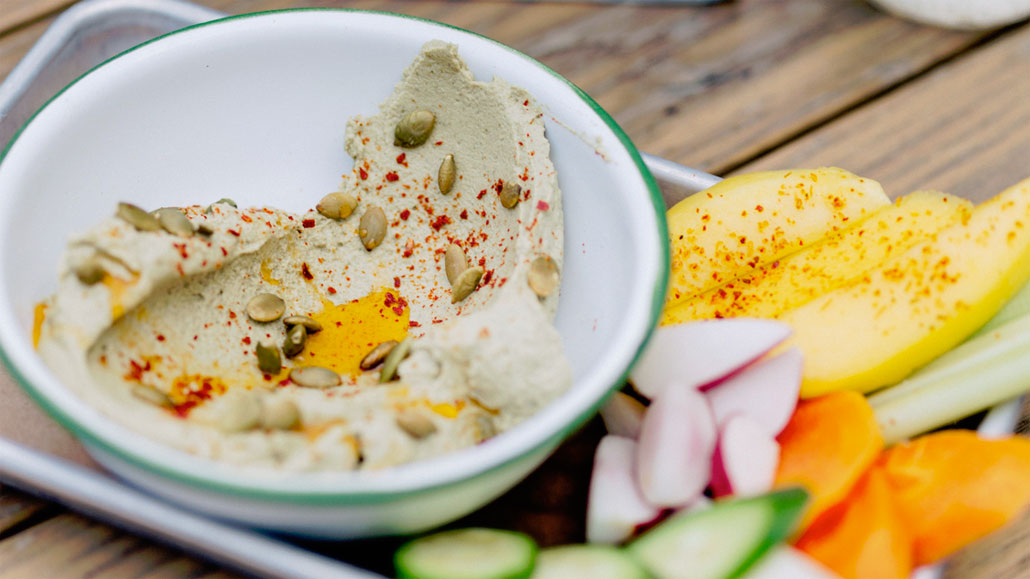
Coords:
pixel 414 129
pixel 510 193
pixel 227 201
pixel 454 262
pixel 205 230
pixel 372 227
pixel 377 355
pixel 543 276
pixel 266 308
pixel 268 358
pixel 174 221
pixel 151 396
pixel 315 377
pixel 486 427
pixel 89 271
pixel 296 337
pixel 415 424
pixel 137 217
pixel 393 359
pixel 239 410
pixel 280 414
pixel 337 205
pixel 447 173
pixel 466 283
pixel 310 324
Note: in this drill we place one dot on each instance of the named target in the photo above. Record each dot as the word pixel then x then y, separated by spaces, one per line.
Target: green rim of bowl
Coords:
pixel 364 497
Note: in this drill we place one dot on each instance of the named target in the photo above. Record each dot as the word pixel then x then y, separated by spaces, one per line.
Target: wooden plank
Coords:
pixel 17 508
pixel 13 46
pixel 17 12
pixel 964 128
pixel 72 546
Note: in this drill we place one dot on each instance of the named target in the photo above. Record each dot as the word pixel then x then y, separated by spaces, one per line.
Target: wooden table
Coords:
pixel 740 86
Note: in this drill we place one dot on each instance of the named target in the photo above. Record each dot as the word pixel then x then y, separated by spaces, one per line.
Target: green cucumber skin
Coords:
pixel 786 507
pixel 410 570
pixel 575 561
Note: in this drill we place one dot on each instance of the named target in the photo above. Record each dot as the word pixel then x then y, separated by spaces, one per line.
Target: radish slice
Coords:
pixel 699 354
pixel 766 392
pixel 745 459
pixel 623 415
pixel 786 562
pixel 676 442
pixel 615 507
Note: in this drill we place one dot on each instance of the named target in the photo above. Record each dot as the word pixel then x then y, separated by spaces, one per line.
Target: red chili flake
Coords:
pixel 246 340
pixel 392 176
pixel 389 300
pixel 363 173
pixel 396 282
pixel 306 272
pixel 482 262
pixel 182 250
pixel 542 205
pixel 401 158
pixel 405 214
pixel 398 310
pixel 232 314
pixel 235 233
pixel 481 194
pixel 178 267
pixel 136 371
pixel 440 221
pixel 246 218
pixel 487 277
pixel 224 252
pixel 308 223
pixel 498 186
pixel 285 382
pixel 160 338
pixel 464 214
pixel 525 103
pixel 331 290
pixel 438 143
pixel 409 248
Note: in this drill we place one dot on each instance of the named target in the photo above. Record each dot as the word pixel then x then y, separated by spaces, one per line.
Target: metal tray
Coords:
pixel 84 36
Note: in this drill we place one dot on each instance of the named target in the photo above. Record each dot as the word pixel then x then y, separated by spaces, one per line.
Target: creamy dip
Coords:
pixel 160 338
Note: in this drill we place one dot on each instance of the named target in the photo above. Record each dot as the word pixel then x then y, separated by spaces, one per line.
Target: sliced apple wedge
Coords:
pixel 615 507
pixel 745 459
pixel 838 260
pixel 747 220
pixel 917 305
pixel 766 392
pixel 699 354
pixel 677 438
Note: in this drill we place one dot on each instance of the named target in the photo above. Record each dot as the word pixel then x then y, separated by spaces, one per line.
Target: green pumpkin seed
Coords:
pixel 239 410
pixel 510 194
pixel 543 276
pixel 315 377
pixel 174 221
pixel 296 337
pixel 377 355
pixel 266 308
pixel 137 217
pixel 447 174
pixel 455 263
pixel 337 205
pixel 466 283
pixel 416 424
pixel 310 324
pixel 280 414
pixel 225 200
pixel 268 358
pixel 414 129
pixel 89 271
pixel 372 227
pixel 397 354
pixel 151 396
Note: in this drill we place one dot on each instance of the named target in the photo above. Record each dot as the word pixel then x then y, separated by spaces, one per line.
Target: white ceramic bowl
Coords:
pixel 254 108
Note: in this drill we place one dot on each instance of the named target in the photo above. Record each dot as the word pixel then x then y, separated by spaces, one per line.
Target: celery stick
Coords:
pixel 978 374
pixel 1016 307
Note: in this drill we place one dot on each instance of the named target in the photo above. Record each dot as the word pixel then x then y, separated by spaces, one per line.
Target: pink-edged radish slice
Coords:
pixel 699 354
pixel 615 507
pixel 766 391
pixel 785 562
pixel 674 458
pixel 745 460
pixel 622 415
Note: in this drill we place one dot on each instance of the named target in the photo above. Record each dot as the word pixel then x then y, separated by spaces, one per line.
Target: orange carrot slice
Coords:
pixel 953 487
pixel 864 535
pixel 827 445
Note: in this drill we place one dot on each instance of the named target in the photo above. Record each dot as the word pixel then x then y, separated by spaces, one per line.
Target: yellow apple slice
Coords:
pixel 917 305
pixel 742 222
pixel 838 260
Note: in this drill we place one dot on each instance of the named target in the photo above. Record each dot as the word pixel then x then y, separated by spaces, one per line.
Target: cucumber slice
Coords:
pixel 474 553
pixel 722 541
pixel 588 561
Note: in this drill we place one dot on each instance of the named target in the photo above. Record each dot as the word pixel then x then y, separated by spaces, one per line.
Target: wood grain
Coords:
pixel 963 129
pixel 15 13
pixel 17 508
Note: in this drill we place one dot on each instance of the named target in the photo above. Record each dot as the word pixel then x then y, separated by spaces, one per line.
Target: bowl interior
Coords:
pixel 254 108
